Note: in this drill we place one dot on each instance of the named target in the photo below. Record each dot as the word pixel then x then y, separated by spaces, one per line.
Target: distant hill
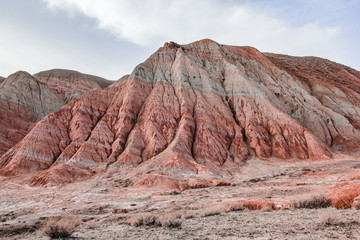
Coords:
pixel 26 99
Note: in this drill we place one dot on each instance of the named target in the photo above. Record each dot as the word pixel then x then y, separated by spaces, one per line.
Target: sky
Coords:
pixel 108 38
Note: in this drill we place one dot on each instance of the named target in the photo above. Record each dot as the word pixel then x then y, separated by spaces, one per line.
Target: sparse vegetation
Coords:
pixel 223 208
pixel 327 220
pixel 356 204
pixel 142 219
pixel 344 196
pixel 61 227
pixel 149 219
pixel 312 201
pixel 170 221
pixel 212 211
pixel 233 206
pixel 258 205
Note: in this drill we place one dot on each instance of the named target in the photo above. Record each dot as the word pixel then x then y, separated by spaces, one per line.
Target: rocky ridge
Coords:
pixel 26 99
pixel 192 115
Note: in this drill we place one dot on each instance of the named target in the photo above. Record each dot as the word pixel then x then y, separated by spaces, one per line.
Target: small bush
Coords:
pixel 188 215
pixel 61 227
pixel 356 203
pixel 142 219
pixel 319 201
pixel 233 206
pixel 328 220
pixel 211 212
pixel 171 221
pixel 221 208
pixel 258 205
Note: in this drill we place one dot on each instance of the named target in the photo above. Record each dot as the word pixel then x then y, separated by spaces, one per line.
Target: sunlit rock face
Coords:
pixel 192 115
pixel 26 99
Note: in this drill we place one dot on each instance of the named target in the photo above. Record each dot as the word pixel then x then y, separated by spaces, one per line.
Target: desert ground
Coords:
pixel 267 202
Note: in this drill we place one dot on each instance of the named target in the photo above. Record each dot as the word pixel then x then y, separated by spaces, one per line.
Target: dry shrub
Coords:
pixel 148 219
pixel 356 203
pixel 212 211
pixel 238 206
pixel 222 208
pixel 344 195
pixel 327 220
pixel 188 215
pixel 61 227
pixel 233 206
pixel 142 219
pixel 312 201
pixel 257 205
pixel 170 221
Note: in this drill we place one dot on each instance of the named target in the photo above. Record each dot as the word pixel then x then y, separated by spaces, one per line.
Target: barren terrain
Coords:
pixel 105 206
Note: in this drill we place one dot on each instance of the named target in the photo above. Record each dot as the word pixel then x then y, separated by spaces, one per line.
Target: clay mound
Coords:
pixel 25 99
pixel 69 83
pixel 190 116
pixel 335 86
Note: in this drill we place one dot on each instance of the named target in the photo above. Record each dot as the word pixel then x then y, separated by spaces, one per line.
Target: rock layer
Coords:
pixel 191 116
pixel 26 99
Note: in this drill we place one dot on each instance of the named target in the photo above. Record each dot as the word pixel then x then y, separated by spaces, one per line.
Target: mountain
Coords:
pixel 26 99
pixel 193 115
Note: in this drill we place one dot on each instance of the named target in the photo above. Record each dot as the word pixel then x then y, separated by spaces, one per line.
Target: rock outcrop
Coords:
pixel 192 115
pixel 26 99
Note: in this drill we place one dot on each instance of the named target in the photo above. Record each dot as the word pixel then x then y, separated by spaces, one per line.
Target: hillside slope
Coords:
pixel 26 99
pixel 192 116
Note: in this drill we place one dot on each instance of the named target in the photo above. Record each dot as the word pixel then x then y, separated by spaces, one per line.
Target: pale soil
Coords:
pixel 103 206
pixel 301 224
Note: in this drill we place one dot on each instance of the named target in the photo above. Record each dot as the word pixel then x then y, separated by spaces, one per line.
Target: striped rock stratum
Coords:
pixel 193 115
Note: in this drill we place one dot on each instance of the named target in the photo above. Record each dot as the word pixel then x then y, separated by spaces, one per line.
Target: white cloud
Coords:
pixel 34 47
pixel 153 22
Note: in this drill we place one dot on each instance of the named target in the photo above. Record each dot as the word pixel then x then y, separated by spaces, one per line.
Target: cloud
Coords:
pixel 153 22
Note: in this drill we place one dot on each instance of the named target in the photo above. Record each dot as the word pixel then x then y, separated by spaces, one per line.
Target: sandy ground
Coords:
pixel 103 205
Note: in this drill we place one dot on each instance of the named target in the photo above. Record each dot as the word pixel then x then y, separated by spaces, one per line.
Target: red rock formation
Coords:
pixel 24 99
pixel 190 116
pixel 71 84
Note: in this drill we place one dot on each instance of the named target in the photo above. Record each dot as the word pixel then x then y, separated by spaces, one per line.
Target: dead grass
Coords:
pixel 142 219
pixel 327 220
pixel 356 204
pixel 312 201
pixel 238 206
pixel 257 205
pixel 149 219
pixel 232 207
pixel 60 227
pixel 212 211
pixel 170 221
pixel 344 195
pixel 8 231
pixel 221 208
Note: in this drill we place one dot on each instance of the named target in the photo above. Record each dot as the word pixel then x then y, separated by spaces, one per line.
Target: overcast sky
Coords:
pixel 109 38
